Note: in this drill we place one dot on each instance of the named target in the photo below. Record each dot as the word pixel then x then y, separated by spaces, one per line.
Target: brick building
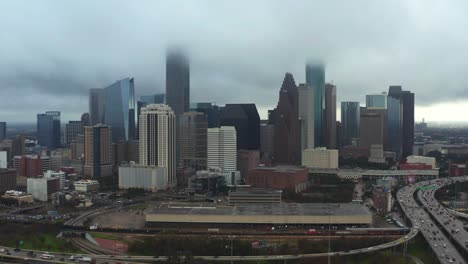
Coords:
pixel 7 180
pixel 278 177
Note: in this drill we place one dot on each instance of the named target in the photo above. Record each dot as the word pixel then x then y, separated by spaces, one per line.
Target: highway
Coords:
pixel 441 245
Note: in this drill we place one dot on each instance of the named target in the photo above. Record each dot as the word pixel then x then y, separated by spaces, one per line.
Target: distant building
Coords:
pixel 97 102
pixel 247 160
pixel 373 127
pixel 395 120
pixel 193 139
pixel 376 154
pixel 86 185
pixel 42 188
pixel 126 152
pixel 376 101
pixel 3 159
pixel 382 199
pixel 267 140
pixel 72 129
pixel 3 126
pixel 431 161
pixel 456 170
pixel 154 98
pixel 320 158
pixel 408 123
pixel 86 119
pixel 211 110
pixel 330 116
pixel 7 180
pixel 287 149
pixel 157 142
pixel 350 123
pixel 149 178
pixel 56 174
pixel 207 182
pixel 245 118
pixel 20 197
pixel 222 148
pixel 306 115
pixel 177 81
pixel 31 165
pixel 279 178
pixel 315 77
pixel 49 129
pixel 254 196
pixel 98 151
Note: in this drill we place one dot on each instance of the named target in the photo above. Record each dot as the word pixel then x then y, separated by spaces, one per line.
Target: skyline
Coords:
pixel 57 63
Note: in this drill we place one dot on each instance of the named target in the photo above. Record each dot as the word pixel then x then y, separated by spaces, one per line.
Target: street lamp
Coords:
pixel 232 246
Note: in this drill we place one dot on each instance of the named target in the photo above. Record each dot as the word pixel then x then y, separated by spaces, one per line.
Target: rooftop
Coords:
pixel 282 168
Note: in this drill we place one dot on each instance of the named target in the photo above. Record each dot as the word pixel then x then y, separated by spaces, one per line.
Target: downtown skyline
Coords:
pixel 228 63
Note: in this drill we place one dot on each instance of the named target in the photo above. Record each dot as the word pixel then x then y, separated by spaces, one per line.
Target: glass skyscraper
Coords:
pixel 49 130
pixel 376 100
pixel 119 109
pixel 350 122
pixel 177 82
pixel 395 124
pixel 315 77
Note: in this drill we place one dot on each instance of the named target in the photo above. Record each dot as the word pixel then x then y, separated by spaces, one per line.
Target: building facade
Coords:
pixel 373 127
pixel 315 77
pixel 72 129
pixel 408 123
pixel 157 142
pixel 267 140
pixel 247 160
pixel 7 180
pixel 376 100
pixel 306 115
pixel 330 116
pixel 49 129
pixel 395 120
pixel 149 178
pixel 287 149
pixel 3 128
pixel 245 118
pixel 97 102
pixel 193 140
pixel 279 178
pixel 31 165
pixel 350 123
pixel 97 151
pixel 222 148
pixel 177 81
pixel 320 158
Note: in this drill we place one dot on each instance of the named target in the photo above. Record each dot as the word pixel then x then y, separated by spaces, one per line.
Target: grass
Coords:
pixel 104 236
pixel 419 249
pixel 138 207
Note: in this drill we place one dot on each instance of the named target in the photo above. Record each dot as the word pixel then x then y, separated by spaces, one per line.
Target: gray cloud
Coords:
pixel 52 52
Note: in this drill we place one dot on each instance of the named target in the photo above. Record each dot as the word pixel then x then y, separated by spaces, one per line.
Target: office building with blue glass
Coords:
pixel 49 129
pixel 350 123
pixel 315 77
pixel 376 101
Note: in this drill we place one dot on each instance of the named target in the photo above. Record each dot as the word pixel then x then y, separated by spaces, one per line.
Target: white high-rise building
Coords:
pixel 306 115
pixel 222 148
pixel 157 139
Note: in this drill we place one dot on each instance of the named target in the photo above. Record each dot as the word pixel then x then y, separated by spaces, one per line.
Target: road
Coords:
pixel 441 245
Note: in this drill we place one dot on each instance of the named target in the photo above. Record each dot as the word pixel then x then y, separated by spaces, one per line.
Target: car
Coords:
pixel 406 237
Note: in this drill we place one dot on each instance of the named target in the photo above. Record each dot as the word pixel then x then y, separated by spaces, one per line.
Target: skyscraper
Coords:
pixel 3 126
pixel 154 98
pixel 97 151
pixel 222 150
pixel 245 118
pixel 49 129
pixel 96 105
pixel 330 116
pixel 157 139
pixel 177 81
pixel 376 100
pixel 408 123
pixel 72 129
pixel 315 77
pixel 395 119
pixel 306 116
pixel 193 140
pixel 119 109
pixel 211 111
pixel 287 147
pixel 86 119
pixel 350 122
pixel 267 140
pixel 373 127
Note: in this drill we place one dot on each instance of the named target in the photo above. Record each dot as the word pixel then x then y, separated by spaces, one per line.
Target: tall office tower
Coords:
pixel 97 151
pixel 408 123
pixel 177 81
pixel 267 140
pixel 350 123
pixel 271 116
pixel 77 147
pixel 3 126
pixel 330 116
pixel 211 110
pixel 338 135
pixel 376 100
pixel 119 109
pixel 17 148
pixel 287 147
pixel 306 116
pixel 96 105
pixel 373 127
pixel 86 119
pixel 157 139
pixel 72 129
pixel 193 140
pixel 395 120
pixel 48 129
pixel 245 118
pixel 315 77
pixel 222 150
pixel 154 98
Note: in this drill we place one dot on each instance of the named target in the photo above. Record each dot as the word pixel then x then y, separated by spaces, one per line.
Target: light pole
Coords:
pixel 232 246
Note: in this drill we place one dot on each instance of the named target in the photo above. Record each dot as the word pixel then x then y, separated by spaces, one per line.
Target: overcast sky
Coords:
pixel 52 52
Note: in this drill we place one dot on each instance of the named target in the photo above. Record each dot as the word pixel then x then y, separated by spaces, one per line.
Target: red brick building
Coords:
pixel 247 160
pixel 415 166
pixel 31 165
pixel 279 178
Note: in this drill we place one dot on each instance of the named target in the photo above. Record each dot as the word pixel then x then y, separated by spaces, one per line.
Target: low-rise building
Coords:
pixel 252 195
pixel 421 159
pixel 376 153
pixel 20 197
pixel 279 178
pixel 150 178
pixel 321 158
pixel 56 174
pixel 86 185
pixel 42 188
pixel 207 182
pixel 7 180
pixel 382 199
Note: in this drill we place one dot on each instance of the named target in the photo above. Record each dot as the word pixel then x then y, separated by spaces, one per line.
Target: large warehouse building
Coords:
pixel 267 214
